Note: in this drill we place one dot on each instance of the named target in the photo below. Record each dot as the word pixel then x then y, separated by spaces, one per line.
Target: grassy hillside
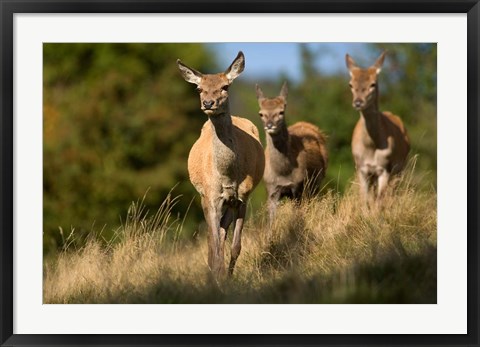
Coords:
pixel 327 249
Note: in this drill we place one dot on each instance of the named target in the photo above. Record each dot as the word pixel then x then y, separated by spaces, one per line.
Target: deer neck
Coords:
pixel 372 120
pixel 224 145
pixel 278 148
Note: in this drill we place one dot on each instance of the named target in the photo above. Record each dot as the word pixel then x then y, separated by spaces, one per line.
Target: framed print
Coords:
pixel 157 190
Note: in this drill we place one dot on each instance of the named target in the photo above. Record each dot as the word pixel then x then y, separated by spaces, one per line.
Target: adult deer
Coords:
pixel 380 142
pixel 225 163
pixel 295 156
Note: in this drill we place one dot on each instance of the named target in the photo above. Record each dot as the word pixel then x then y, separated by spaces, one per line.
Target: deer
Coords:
pixel 225 164
pixel 296 156
pixel 380 142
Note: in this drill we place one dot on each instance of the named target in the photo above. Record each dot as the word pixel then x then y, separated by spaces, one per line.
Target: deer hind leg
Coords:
pixel 298 191
pixel 216 237
pixel 382 185
pixel 237 236
pixel 312 182
pixel 227 219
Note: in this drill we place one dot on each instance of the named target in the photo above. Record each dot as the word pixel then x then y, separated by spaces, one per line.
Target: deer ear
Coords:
pixel 236 68
pixel 379 63
pixel 259 91
pixel 190 75
pixel 350 63
pixel 284 91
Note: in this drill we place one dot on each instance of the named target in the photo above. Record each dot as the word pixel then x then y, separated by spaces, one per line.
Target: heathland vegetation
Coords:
pixel 119 121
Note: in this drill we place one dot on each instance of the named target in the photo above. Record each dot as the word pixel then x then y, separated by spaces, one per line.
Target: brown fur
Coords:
pixel 293 155
pixel 380 143
pixel 200 161
pixel 225 163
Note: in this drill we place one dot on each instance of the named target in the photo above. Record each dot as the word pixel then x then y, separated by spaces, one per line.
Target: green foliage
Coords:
pixel 118 121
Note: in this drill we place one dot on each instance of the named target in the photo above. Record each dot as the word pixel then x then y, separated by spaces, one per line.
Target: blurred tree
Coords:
pixel 118 120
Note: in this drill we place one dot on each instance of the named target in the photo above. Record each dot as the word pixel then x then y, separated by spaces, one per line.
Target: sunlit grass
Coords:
pixel 326 249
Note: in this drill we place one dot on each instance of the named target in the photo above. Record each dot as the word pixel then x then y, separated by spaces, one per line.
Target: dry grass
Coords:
pixel 326 249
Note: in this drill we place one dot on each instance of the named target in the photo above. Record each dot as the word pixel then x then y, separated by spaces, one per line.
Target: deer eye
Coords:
pixel 373 85
pixel 225 87
pixel 281 113
pixel 260 114
pixel 350 85
pixel 198 89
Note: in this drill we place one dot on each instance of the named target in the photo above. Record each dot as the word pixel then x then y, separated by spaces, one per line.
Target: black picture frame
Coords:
pixel 10 7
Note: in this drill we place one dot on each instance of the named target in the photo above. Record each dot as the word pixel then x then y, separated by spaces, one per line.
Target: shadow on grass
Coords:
pixel 285 251
pixel 397 279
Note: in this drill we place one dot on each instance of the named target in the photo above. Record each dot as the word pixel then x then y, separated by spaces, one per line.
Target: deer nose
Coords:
pixel 269 125
pixel 208 104
pixel 357 103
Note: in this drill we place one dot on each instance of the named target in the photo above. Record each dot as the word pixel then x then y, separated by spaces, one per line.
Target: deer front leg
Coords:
pixel 273 197
pixel 237 237
pixel 363 180
pixel 216 237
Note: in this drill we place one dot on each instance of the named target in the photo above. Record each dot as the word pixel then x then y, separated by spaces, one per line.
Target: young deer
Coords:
pixel 225 163
pixel 294 156
pixel 380 142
